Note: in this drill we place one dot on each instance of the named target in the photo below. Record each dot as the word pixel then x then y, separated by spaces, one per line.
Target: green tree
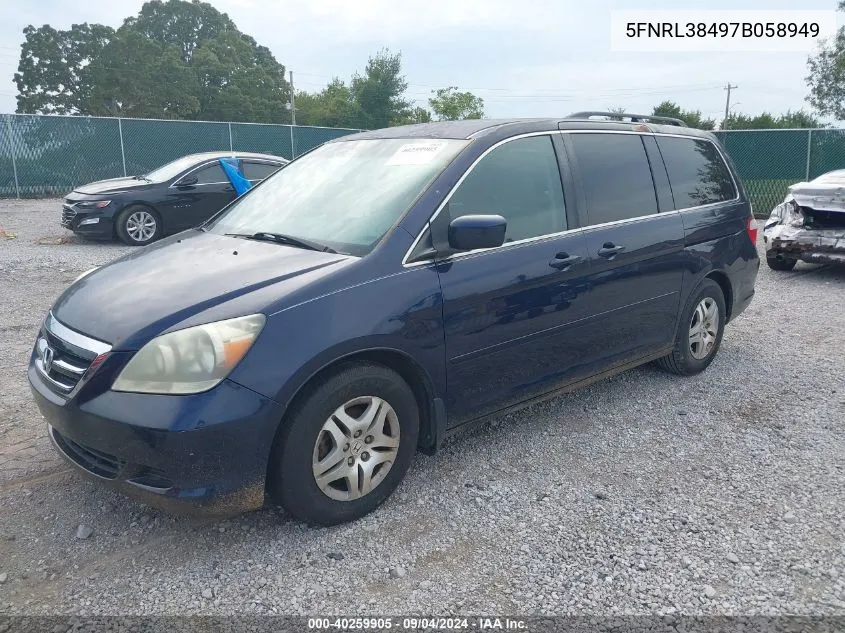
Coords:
pixel 239 80
pixel 334 106
pixel 184 24
pixel 137 77
pixel 420 115
pixel 414 115
pixel 799 119
pixel 767 121
pixel 692 118
pixel 175 59
pixel 826 78
pixel 450 104
pixel 54 70
pixel 380 92
pixel 371 100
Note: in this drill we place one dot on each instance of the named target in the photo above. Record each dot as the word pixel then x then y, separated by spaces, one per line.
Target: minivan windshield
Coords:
pixel 344 195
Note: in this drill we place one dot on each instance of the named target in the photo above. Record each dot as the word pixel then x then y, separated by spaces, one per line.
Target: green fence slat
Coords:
pixel 827 151
pixel 149 144
pixel 305 138
pixel 768 161
pixel 264 138
pixel 55 154
pixel 7 168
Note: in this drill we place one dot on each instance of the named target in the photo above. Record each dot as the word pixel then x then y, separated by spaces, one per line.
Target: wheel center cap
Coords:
pixel 356 447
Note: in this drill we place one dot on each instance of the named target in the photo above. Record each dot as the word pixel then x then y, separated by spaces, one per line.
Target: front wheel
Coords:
pixel 346 446
pixel 138 225
pixel 699 333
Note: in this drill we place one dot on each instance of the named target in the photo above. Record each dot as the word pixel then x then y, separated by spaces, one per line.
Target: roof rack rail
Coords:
pixel 635 118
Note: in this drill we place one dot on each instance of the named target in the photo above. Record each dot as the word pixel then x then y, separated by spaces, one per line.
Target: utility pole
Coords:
pixel 292 102
pixel 729 87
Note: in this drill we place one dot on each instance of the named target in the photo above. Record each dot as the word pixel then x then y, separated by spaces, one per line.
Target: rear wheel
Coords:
pixel 346 446
pixel 138 225
pixel 779 262
pixel 700 332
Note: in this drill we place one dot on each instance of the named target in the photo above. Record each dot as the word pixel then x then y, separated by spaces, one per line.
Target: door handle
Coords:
pixel 609 250
pixel 562 260
pixel 228 189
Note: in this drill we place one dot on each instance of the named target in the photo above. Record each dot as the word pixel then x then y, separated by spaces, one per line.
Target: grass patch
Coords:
pixel 766 194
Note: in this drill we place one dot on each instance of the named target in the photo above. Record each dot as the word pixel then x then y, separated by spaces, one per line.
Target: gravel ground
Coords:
pixel 717 494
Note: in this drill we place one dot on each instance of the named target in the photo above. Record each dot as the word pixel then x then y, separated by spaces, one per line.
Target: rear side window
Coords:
pixel 697 172
pixel 520 181
pixel 258 171
pixel 615 175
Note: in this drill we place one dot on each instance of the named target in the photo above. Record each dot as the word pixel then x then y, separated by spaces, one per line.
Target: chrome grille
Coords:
pixel 68 214
pixel 62 370
pixel 63 356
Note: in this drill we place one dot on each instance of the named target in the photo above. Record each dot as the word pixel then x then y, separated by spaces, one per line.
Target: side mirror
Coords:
pixel 477 231
pixel 187 181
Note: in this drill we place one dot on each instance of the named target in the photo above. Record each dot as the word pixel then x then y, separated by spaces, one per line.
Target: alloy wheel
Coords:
pixel 704 327
pixel 355 448
pixel 141 226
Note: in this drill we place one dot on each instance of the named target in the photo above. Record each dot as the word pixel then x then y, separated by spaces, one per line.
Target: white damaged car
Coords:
pixel 809 225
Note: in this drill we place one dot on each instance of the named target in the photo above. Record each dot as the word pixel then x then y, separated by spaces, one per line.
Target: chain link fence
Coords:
pixel 51 155
pixel 769 161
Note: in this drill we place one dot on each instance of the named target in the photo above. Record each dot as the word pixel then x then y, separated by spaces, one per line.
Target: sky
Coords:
pixel 527 58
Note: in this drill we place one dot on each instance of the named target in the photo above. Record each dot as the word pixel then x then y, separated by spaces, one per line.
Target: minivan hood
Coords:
pixel 112 185
pixel 178 279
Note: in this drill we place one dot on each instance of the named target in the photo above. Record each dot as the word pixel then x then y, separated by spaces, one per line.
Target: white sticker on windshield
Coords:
pixel 418 153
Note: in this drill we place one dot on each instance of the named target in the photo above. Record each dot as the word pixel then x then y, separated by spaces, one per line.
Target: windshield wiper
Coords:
pixel 280 238
pixel 141 178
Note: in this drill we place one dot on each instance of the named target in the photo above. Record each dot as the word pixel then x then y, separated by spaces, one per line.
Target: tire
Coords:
pixel 133 225
pixel 688 357
pixel 779 262
pixel 305 448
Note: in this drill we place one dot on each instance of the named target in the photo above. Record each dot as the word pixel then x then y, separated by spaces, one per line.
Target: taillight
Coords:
pixel 751 229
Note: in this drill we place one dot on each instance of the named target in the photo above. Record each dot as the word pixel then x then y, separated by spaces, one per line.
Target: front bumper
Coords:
pixel 96 224
pixel 203 454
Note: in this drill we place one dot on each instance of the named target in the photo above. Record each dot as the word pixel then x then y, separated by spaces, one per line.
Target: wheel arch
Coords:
pixel 431 407
pixel 724 282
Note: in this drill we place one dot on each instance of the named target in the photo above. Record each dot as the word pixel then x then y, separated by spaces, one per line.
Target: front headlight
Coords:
pixel 93 204
pixel 191 360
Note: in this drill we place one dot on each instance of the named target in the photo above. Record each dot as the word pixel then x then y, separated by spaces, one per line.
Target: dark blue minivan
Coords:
pixel 383 290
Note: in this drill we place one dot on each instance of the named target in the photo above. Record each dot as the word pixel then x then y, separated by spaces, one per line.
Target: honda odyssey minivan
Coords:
pixel 384 290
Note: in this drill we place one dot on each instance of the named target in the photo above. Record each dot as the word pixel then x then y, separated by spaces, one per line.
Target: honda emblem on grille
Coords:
pixel 47 358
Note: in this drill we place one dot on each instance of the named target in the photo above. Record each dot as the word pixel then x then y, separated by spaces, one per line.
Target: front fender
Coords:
pixel 400 312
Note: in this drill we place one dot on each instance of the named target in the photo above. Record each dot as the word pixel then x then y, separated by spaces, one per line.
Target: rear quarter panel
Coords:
pixel 716 240
pixel 716 244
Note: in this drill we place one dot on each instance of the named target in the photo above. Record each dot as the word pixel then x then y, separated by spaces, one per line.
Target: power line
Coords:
pixel 538 90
